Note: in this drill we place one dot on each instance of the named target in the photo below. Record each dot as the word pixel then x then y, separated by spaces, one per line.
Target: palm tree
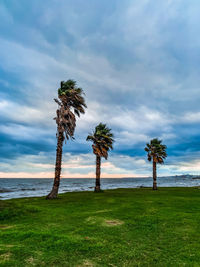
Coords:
pixel 102 139
pixel 70 103
pixel 156 152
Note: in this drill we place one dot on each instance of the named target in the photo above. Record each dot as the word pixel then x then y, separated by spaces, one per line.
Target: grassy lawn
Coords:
pixel 123 227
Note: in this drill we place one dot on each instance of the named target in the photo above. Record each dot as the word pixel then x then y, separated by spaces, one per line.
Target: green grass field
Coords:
pixel 123 227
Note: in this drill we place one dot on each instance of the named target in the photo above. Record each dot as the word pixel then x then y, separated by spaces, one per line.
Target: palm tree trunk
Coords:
pixel 54 192
pixel 98 173
pixel 154 176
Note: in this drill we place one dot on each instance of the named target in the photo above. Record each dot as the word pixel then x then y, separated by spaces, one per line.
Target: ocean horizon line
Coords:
pixel 130 177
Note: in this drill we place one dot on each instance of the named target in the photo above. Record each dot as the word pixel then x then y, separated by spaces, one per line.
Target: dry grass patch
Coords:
pixel 113 222
pixel 2 227
pixel 5 256
pixel 86 263
pixel 31 261
pixel 92 220
pixel 103 221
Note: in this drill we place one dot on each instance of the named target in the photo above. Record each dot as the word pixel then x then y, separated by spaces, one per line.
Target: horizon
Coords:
pixel 138 70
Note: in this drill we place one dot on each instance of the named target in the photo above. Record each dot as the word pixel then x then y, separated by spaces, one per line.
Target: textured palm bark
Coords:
pixel 98 173
pixel 154 176
pixel 54 192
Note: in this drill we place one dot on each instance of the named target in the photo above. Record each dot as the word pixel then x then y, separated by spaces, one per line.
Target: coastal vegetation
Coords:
pixel 156 152
pixel 70 103
pixel 122 227
pixel 102 139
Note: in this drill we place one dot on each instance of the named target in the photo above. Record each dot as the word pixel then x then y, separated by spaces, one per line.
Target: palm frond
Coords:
pixel 71 103
pixel 156 150
pixel 102 139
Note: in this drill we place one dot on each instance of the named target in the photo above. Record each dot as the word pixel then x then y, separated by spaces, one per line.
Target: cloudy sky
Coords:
pixel 138 62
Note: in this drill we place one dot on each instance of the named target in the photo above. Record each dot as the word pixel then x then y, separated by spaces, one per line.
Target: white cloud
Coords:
pixel 191 117
pixel 27 114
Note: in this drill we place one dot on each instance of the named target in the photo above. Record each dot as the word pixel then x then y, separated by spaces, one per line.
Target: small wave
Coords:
pixel 28 189
pixel 5 190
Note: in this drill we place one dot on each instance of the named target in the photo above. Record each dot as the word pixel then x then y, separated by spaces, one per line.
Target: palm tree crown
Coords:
pixel 102 139
pixel 71 102
pixel 156 151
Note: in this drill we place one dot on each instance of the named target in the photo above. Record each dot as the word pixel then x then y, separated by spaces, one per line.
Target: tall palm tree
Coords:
pixel 70 103
pixel 102 139
pixel 156 152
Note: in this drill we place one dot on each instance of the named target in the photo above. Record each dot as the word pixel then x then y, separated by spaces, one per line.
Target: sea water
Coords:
pixel 29 187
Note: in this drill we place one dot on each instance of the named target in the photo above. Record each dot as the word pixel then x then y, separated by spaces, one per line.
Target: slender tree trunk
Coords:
pixel 54 192
pixel 154 176
pixel 98 173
